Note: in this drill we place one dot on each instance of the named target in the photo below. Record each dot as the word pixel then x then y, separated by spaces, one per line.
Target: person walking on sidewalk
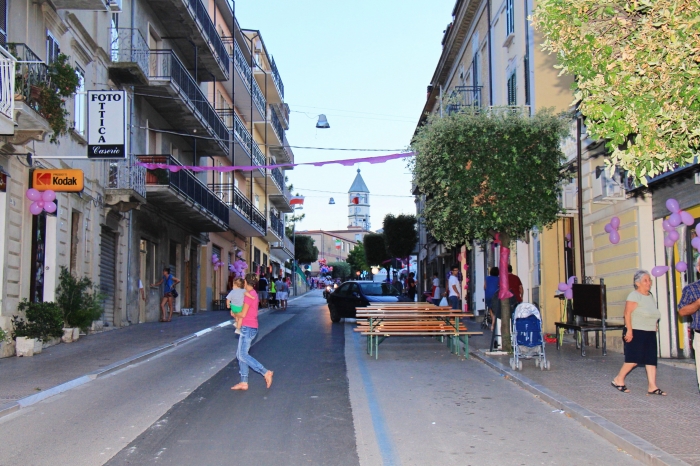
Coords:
pixel 282 293
pixel 262 290
pixel 411 284
pixel 249 329
pixel 690 306
pixel 491 296
pixel 639 335
pixel 436 289
pixel 169 294
pixel 453 288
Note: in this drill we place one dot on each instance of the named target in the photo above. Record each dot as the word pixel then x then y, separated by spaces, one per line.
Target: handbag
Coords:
pixel 443 302
pixel 174 293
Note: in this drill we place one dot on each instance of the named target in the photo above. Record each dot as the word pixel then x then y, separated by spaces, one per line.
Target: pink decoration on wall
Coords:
pixel 503 291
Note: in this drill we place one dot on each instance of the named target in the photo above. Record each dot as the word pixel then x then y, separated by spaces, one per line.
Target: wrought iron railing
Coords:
pixel 129 46
pixel 199 11
pixel 7 83
pixel 125 174
pixel 236 200
pixel 243 138
pixel 278 178
pixel 31 74
pixel 276 76
pixel 276 125
pixel 247 76
pixel 185 183
pixel 463 96
pixel 289 246
pixel 164 65
pixel 277 225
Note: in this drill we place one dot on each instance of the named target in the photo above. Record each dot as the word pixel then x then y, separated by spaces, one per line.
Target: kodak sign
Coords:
pixel 62 181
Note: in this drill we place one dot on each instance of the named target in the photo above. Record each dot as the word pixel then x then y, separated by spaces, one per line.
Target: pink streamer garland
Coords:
pixel 345 163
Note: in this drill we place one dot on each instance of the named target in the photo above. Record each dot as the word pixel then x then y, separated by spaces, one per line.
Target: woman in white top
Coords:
pixel 436 290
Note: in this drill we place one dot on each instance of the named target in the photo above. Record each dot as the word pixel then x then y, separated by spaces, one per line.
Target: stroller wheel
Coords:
pixel 520 365
pixel 537 362
pixel 512 363
pixel 542 366
pixel 548 365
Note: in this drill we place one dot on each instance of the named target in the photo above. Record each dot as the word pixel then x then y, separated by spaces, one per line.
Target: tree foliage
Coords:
pixel 637 69
pixel 356 258
pixel 340 270
pixel 489 172
pixel 375 250
pixel 400 235
pixel 304 249
pixel 79 300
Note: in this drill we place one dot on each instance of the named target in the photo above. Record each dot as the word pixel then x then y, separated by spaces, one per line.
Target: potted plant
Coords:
pixel 41 322
pixel 80 303
pixel 7 347
pixel 63 82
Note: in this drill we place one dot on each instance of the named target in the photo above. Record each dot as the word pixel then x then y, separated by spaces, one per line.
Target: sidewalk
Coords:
pixel 668 423
pixel 21 377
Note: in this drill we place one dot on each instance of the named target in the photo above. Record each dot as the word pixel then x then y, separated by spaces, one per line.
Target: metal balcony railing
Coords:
pixel 247 76
pixel 236 200
pixel 7 83
pixel 31 74
pixel 278 178
pixel 463 96
pixel 128 46
pixel 245 140
pixel 277 225
pixel 164 65
pixel 199 12
pixel 289 245
pixel 185 183
pixel 276 124
pixel 125 174
pixel 276 76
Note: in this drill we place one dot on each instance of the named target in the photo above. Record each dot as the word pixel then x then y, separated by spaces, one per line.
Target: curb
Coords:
pixel 637 447
pixel 64 387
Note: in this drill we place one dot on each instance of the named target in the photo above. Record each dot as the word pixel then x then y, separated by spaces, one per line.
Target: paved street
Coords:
pixel 329 404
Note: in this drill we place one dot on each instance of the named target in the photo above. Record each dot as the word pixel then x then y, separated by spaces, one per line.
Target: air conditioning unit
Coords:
pixel 568 198
pixel 607 188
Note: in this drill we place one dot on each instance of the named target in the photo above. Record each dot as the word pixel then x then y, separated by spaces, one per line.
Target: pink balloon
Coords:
pixel 667 226
pixel 40 204
pixel 696 243
pixel 659 270
pixel 608 228
pixel 50 207
pixel 48 196
pixel 673 235
pixel 668 242
pixel 614 237
pixel 569 294
pixel 672 205
pixel 615 222
pixel 681 266
pixel 563 287
pixel 686 218
pixel 568 236
pixel 697 229
pixel 674 219
pixel 33 195
pixel 35 209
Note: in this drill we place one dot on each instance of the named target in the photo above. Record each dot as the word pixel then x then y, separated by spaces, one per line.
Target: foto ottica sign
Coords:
pixel 106 129
pixel 61 181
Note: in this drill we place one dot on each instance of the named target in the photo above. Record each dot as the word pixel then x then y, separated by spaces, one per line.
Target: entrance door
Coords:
pixel 143 254
pixel 108 253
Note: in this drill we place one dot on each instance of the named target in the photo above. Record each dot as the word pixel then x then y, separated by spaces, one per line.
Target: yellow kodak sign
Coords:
pixel 62 181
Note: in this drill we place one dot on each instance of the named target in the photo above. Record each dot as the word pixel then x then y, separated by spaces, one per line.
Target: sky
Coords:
pixel 364 64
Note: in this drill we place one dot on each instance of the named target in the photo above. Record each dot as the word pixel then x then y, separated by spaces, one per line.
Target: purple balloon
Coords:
pixel 615 222
pixel 696 243
pixel 667 226
pixel 35 209
pixel 40 204
pixel 697 229
pixel 563 287
pixel 33 194
pixel 569 294
pixel 659 270
pixel 674 219
pixel 681 266
pixel 571 281
pixel 672 205
pixel 686 218
pixel 668 242
pixel 48 196
pixel 608 228
pixel 614 237
pixel 50 207
pixel 673 235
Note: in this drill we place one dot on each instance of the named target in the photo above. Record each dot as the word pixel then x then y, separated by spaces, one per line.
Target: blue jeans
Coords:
pixel 245 360
pixel 454 302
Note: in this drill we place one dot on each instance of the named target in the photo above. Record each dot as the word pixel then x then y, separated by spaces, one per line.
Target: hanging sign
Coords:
pixel 106 129
pixel 60 181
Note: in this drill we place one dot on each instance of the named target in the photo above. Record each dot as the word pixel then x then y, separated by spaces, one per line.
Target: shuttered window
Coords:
pixel 512 94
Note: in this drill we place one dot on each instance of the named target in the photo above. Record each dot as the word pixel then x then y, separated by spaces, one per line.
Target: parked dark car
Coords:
pixel 344 300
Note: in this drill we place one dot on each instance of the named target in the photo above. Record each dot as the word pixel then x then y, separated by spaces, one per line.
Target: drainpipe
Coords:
pixel 579 192
pixel 488 12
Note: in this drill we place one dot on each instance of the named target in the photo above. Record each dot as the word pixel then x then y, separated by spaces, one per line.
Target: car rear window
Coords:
pixel 378 289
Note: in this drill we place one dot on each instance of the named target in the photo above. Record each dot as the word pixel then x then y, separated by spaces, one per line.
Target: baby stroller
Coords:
pixel 527 338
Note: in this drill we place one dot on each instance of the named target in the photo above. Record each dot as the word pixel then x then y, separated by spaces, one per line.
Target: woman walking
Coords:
pixel 169 294
pixel 639 335
pixel 249 329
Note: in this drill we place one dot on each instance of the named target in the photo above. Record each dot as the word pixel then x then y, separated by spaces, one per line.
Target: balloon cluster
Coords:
pixel 612 228
pixel 41 201
pixel 567 288
pixel 216 261
pixel 568 240
pixel 238 268
pixel 669 225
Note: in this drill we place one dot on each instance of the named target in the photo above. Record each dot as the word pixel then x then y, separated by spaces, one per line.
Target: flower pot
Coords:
pixel 24 346
pixel 7 349
pixel 53 341
pixel 67 335
pixel 76 333
pixel 38 346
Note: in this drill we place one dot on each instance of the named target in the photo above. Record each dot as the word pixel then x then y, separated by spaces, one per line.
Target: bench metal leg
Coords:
pixel 597 339
pixel 583 343
pixel 559 337
pixel 604 344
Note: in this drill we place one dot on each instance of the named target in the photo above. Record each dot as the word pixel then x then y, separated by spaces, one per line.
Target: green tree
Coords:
pixel 488 173
pixel 79 300
pixel 356 258
pixel 340 270
pixel 400 235
pixel 304 249
pixel 637 69
pixel 375 250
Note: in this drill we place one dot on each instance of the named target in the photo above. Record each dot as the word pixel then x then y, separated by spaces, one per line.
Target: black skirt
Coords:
pixel 642 349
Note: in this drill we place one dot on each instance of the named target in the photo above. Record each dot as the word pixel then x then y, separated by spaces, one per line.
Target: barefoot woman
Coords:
pixel 249 329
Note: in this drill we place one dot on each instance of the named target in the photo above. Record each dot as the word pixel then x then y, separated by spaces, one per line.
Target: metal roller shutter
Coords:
pixel 108 252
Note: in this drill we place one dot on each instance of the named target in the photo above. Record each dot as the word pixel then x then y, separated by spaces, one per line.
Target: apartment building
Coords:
pixel 199 91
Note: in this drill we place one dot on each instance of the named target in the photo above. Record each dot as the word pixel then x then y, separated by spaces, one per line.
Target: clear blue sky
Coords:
pixel 365 65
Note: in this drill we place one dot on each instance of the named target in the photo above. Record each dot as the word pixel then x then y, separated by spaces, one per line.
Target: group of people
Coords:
pixel 274 293
pixel 491 292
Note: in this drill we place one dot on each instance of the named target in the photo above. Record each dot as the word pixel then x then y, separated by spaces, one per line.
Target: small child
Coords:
pixel 234 300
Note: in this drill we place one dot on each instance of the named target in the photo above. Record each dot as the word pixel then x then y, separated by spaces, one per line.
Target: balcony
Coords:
pixel 188 20
pixel 88 5
pixel 275 229
pixel 462 97
pixel 130 54
pixel 266 73
pixel 244 218
pixel 283 153
pixel 126 185
pixel 247 96
pixel 31 75
pixel 286 247
pixel 271 127
pixel 245 149
pixel 278 192
pixel 7 91
pixel 184 197
pixel 176 95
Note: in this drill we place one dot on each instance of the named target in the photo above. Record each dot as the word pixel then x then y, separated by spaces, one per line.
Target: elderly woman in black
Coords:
pixel 639 335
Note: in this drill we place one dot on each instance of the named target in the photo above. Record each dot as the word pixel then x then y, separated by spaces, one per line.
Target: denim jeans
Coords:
pixel 454 302
pixel 245 360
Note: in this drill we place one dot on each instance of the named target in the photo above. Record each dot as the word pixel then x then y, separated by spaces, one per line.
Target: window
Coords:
pixel 475 70
pixel 512 100
pixel 510 17
pixel 256 255
pixel 264 262
pixel 3 22
pixel 358 237
pixel 257 201
pixel 79 112
pixel 52 48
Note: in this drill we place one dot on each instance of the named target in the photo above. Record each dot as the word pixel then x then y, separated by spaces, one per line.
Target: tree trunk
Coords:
pixel 504 293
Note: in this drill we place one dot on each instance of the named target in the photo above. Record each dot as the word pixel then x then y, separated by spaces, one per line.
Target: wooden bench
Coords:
pixel 589 315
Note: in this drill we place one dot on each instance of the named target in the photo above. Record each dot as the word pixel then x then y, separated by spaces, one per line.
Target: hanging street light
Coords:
pixel 322 122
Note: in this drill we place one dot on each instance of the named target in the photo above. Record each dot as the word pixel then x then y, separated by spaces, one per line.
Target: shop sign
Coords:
pixel 61 181
pixel 106 129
